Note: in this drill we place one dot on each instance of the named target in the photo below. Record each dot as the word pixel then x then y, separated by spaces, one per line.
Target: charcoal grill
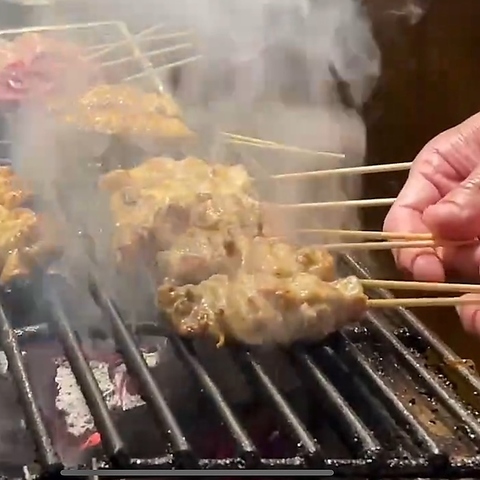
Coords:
pixel 381 399
pixel 370 386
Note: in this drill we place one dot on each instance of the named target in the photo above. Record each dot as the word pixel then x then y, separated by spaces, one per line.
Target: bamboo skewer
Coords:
pixel 428 286
pixel 389 245
pixel 422 302
pixel 286 148
pixel 368 235
pixel 259 143
pixel 370 202
pixel 362 170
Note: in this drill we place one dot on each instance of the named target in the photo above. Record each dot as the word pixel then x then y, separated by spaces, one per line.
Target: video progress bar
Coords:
pixel 197 473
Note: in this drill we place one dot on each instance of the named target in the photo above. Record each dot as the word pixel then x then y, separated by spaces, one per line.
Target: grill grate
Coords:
pixel 385 438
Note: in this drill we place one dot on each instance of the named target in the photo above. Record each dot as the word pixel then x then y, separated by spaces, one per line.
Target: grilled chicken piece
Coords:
pixel 125 111
pixel 154 203
pixel 194 172
pixel 200 253
pixel 263 309
pixel 27 240
pixel 131 98
pixel 13 193
pixel 25 243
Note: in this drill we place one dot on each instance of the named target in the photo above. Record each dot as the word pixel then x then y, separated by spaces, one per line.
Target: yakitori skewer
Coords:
pixel 428 286
pixel 362 170
pixel 367 235
pixel 422 302
pixel 389 245
pixel 259 143
pixel 369 202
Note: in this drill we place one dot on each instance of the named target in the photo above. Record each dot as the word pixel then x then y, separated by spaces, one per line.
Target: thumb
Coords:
pixel 457 215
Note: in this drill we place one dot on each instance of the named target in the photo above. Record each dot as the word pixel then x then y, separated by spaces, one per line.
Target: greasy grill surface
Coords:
pixel 369 388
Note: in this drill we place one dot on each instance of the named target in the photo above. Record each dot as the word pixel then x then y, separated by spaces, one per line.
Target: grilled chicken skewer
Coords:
pixel 26 241
pixel 261 308
pixel 162 198
pixel 125 111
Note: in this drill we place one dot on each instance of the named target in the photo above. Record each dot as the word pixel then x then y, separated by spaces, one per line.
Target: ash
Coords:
pixel 112 383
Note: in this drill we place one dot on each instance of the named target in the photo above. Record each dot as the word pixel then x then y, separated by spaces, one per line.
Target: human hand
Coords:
pixel 442 197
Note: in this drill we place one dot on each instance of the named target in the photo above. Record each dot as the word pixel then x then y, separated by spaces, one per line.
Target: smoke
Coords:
pixel 269 69
pixel 290 71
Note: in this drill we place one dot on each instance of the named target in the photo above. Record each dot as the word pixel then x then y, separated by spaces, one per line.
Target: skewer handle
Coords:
pixel 422 302
pixel 369 202
pixel 433 287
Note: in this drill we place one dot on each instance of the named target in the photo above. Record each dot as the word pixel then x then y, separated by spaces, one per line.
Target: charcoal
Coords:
pixel 16 446
pixel 67 415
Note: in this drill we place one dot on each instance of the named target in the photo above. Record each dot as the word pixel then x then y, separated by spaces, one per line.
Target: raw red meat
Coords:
pixel 35 65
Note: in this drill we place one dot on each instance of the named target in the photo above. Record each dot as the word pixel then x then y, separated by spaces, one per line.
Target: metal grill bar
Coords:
pixel 395 407
pixel 298 431
pixel 47 456
pixel 245 445
pixel 354 430
pixel 152 396
pixel 414 324
pixel 406 357
pixel 433 342
pixel 111 439
pixel 457 468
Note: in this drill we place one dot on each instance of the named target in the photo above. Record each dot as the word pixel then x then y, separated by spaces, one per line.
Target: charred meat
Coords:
pixel 262 308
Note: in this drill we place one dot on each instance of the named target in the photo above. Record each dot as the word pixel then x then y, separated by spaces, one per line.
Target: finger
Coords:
pixel 438 169
pixel 405 216
pixel 462 261
pixel 470 315
pixel 457 215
